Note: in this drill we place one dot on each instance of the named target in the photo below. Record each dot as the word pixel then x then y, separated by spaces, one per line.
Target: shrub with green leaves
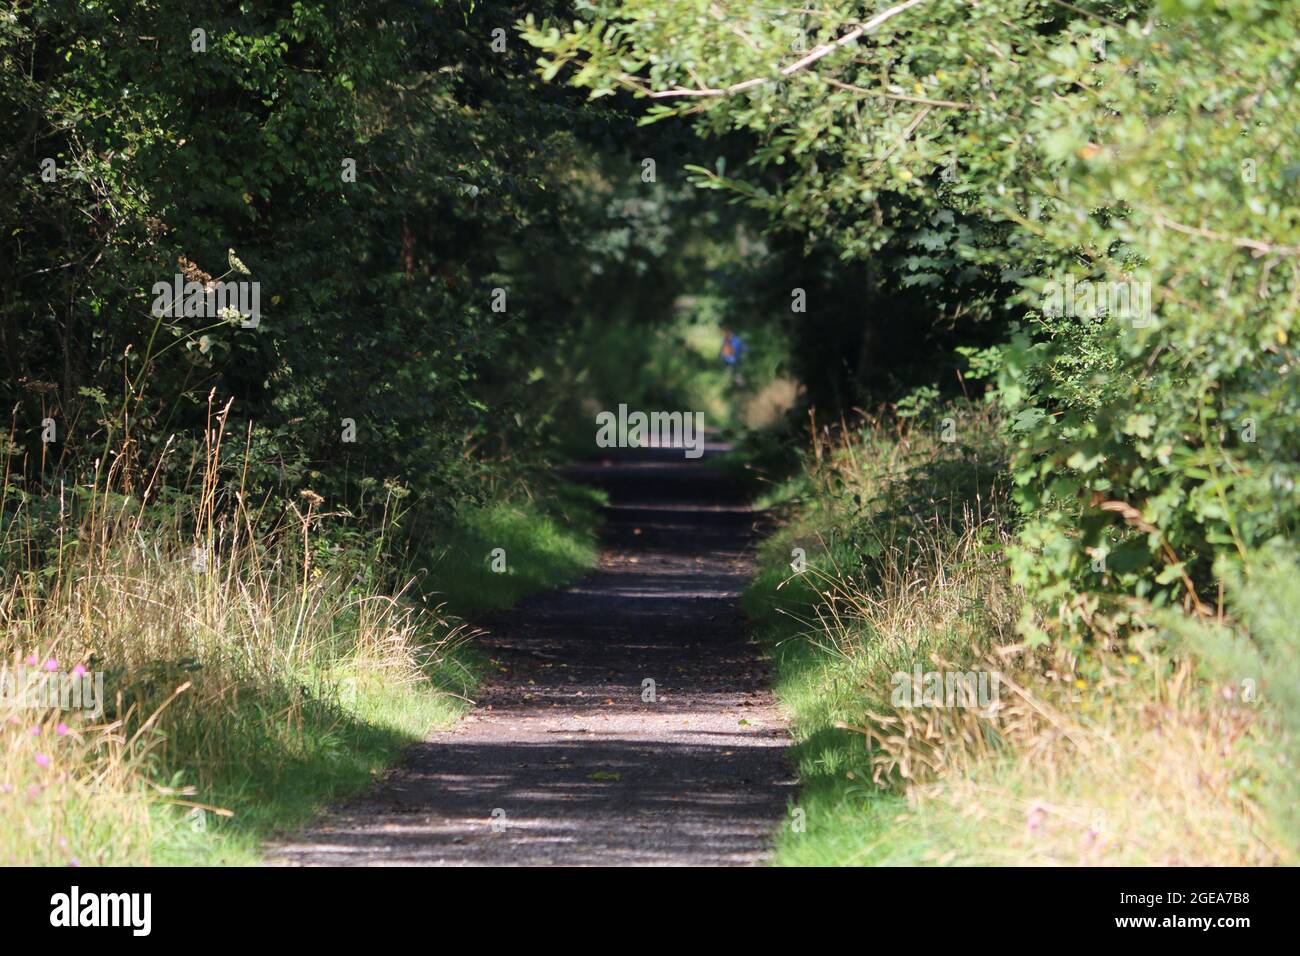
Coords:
pixel 979 159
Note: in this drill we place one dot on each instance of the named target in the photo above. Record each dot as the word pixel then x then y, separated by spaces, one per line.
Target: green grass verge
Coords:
pixel 246 689
pixel 334 751
pixel 1149 754
pixel 541 544
pixel 845 818
pixel 344 748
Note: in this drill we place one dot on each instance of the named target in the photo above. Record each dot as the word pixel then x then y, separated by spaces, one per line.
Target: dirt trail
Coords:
pixel 576 766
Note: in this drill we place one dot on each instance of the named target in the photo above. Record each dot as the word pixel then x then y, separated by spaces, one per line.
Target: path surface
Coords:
pixel 577 767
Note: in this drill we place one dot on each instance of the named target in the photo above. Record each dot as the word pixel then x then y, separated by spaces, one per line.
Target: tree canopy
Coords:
pixel 979 159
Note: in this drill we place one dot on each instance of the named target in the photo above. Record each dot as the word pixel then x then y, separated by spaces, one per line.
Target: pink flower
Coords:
pixel 61 730
pixel 42 760
pixel 36 730
pixel 51 665
pixel 6 788
pixel 79 670
pixel 74 862
pixel 32 660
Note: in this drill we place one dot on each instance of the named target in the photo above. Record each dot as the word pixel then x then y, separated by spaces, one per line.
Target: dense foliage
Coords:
pixel 1052 250
pixel 1105 188
pixel 404 195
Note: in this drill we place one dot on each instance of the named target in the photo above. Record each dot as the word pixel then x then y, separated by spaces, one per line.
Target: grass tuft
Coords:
pixel 253 667
pixel 1115 753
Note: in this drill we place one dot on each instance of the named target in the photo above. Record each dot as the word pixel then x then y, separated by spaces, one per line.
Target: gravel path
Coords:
pixel 562 761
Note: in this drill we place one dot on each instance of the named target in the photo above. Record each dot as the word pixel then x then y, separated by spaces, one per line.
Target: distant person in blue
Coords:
pixel 733 349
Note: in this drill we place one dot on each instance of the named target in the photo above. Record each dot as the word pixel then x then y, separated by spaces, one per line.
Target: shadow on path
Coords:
pixel 562 761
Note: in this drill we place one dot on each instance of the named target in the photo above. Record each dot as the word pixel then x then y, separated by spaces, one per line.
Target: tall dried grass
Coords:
pixel 232 659
pixel 1087 755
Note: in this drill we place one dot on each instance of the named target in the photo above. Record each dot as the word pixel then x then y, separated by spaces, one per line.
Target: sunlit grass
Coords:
pixel 1125 756
pixel 252 673
pixel 501 552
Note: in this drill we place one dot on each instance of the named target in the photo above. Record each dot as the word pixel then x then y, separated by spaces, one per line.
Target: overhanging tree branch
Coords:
pixel 824 50
pixel 1257 247
pixel 885 94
